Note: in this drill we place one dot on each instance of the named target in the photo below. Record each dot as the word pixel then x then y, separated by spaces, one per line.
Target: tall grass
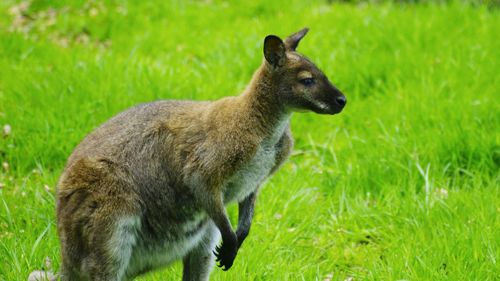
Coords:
pixel 402 185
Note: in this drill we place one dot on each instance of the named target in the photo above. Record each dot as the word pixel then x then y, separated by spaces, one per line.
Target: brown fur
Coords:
pixel 173 165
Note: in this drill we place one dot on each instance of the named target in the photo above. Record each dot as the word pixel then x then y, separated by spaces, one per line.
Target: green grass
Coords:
pixel 402 185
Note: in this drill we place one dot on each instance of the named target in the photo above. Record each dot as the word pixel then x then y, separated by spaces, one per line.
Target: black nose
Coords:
pixel 341 100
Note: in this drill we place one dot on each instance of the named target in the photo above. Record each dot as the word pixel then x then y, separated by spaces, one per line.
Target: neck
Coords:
pixel 261 99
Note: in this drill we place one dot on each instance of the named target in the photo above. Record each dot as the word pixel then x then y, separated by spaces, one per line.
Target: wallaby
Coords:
pixel 149 186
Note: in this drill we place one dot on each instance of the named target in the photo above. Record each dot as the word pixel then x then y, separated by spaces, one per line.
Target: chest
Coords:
pixel 267 157
pixel 252 174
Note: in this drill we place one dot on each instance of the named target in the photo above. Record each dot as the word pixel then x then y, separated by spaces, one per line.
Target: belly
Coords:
pixel 149 254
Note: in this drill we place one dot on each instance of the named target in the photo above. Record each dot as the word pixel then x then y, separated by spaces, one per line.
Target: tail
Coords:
pixel 40 275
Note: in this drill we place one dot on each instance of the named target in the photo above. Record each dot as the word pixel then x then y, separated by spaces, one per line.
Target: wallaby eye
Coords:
pixel 307 81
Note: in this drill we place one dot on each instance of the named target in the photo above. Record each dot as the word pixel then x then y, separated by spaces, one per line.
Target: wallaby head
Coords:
pixel 300 84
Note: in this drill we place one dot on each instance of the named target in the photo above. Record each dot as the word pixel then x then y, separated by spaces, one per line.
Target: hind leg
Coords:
pixel 67 274
pixel 112 248
pixel 98 215
pixel 97 237
pixel 200 260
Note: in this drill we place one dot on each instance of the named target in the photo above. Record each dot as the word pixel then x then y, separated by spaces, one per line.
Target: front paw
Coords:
pixel 225 255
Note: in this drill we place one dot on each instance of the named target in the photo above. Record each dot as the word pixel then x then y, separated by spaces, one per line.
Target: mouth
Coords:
pixel 329 109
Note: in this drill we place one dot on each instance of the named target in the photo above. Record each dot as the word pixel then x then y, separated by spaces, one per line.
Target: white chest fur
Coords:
pixel 253 173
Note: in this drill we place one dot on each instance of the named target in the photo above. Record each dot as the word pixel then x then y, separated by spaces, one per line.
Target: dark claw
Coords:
pixel 225 256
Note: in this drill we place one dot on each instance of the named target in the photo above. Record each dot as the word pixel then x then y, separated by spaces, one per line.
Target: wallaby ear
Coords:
pixel 274 50
pixel 292 41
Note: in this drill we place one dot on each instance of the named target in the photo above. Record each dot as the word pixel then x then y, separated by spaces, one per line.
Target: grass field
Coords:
pixel 402 185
